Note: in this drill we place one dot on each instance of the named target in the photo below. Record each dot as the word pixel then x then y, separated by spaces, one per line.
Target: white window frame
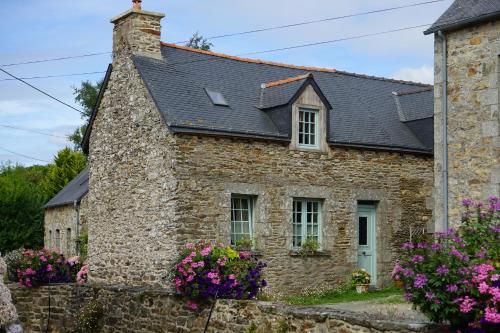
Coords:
pixel 308 110
pixel 250 200
pixel 303 223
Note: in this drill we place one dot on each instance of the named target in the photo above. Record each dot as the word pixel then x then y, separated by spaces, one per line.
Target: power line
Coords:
pixel 316 21
pixel 43 92
pixel 55 59
pixel 53 76
pixel 34 131
pixel 241 32
pixel 22 155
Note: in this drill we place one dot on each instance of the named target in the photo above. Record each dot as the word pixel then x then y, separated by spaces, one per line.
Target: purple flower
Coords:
pixel 407 246
pixel 442 270
pixel 408 296
pixel 436 246
pixel 408 272
pixel 417 258
pixel 421 246
pixel 420 281
pixel 451 288
pixel 429 295
pixel 467 202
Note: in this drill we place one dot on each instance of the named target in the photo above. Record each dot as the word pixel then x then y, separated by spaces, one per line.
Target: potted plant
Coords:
pixel 361 280
pixel 309 246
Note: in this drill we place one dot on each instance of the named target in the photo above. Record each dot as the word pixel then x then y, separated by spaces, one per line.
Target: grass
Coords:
pixel 383 296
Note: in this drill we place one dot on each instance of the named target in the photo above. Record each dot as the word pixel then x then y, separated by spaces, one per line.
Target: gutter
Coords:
pixel 444 124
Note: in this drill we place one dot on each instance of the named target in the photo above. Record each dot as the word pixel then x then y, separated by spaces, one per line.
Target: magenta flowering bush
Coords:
pixel 455 277
pixel 204 272
pixel 36 268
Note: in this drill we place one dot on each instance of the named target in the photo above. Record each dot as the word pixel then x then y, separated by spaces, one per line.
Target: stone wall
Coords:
pixel 60 224
pixel 132 227
pixel 473 117
pixel 209 170
pixel 141 310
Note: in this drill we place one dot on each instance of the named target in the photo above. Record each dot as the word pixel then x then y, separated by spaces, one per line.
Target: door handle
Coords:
pixel 364 253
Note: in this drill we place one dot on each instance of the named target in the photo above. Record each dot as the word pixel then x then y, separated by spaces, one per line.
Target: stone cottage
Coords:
pixel 467 67
pixel 65 216
pixel 190 145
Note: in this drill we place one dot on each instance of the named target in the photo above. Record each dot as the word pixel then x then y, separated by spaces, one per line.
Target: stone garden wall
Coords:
pixel 138 309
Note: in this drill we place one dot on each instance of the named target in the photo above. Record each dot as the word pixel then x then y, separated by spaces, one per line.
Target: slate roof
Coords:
pixel 465 12
pixel 414 104
pixel 363 109
pixel 74 191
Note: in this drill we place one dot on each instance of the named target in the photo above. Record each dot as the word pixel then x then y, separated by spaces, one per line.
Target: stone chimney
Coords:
pixel 137 31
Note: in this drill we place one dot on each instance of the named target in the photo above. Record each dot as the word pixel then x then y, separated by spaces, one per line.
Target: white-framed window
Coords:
pixel 306 221
pixel 241 218
pixel 308 128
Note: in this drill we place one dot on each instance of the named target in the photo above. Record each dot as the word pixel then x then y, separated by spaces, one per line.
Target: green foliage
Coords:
pixel 310 245
pixel 360 276
pixel 67 165
pixel 85 95
pixel 83 244
pixel 21 201
pixel 244 244
pixel 90 318
pixel 197 41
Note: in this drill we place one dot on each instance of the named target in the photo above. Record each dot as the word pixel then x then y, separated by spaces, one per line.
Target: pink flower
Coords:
pixel 483 287
pixel 232 277
pixel 192 305
pixel 190 278
pixel 467 305
pixel 245 254
pixel 49 268
pixel 491 315
pixel 190 246
pixel 206 251
pixel 43 259
pixel 177 282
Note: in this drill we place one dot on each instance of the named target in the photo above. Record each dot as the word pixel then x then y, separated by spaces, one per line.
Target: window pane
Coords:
pixel 241 219
pixel 363 230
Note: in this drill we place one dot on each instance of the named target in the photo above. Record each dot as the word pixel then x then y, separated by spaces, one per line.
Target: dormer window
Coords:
pixel 308 130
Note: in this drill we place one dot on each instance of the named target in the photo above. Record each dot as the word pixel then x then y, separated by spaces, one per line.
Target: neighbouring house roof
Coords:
pixel 414 104
pixel 363 112
pixel 462 13
pixel 75 190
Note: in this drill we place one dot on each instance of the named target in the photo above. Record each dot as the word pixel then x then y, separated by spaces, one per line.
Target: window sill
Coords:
pixel 297 253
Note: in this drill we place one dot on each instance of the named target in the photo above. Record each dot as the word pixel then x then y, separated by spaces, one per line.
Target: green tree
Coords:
pixel 21 201
pixel 67 165
pixel 85 95
pixel 197 41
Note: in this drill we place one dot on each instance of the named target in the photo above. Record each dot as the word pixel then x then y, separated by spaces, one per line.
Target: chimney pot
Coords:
pixel 136 4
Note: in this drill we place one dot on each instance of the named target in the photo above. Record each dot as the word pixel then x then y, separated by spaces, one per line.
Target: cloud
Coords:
pixel 424 74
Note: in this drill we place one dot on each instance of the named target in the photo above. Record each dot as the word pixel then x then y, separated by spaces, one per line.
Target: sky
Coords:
pixel 34 30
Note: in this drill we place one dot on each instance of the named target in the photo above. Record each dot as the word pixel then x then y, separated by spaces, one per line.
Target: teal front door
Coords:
pixel 367 241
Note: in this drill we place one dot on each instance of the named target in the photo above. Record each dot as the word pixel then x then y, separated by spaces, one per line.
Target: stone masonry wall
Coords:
pixel 64 219
pixel 142 310
pixel 209 170
pixel 473 117
pixel 131 190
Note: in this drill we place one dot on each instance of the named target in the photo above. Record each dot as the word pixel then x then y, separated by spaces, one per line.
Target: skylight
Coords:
pixel 216 97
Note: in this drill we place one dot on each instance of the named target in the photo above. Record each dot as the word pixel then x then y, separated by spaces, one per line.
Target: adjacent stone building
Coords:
pixel 190 145
pixel 467 35
pixel 65 216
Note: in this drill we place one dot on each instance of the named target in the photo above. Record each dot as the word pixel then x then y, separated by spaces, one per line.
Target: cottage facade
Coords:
pixel 467 51
pixel 189 145
pixel 65 216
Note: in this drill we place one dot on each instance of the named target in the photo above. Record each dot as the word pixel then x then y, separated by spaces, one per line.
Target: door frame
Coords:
pixel 371 210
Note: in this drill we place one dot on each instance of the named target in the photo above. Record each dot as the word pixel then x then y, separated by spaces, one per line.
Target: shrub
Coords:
pixel 204 272
pixel 360 276
pixel 455 278
pixel 310 245
pixel 90 317
pixel 36 268
pixel 82 275
pixel 12 260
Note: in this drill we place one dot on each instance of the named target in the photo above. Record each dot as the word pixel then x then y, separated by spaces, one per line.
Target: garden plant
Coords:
pixel 454 278
pixel 203 272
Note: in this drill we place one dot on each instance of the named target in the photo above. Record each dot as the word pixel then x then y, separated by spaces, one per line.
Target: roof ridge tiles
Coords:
pixel 307 68
pixel 287 80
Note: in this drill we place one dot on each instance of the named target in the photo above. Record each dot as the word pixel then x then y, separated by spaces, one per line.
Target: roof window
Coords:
pixel 216 97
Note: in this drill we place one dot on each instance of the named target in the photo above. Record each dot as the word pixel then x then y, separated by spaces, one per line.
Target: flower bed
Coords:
pixel 204 272
pixel 36 268
pixel 455 277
